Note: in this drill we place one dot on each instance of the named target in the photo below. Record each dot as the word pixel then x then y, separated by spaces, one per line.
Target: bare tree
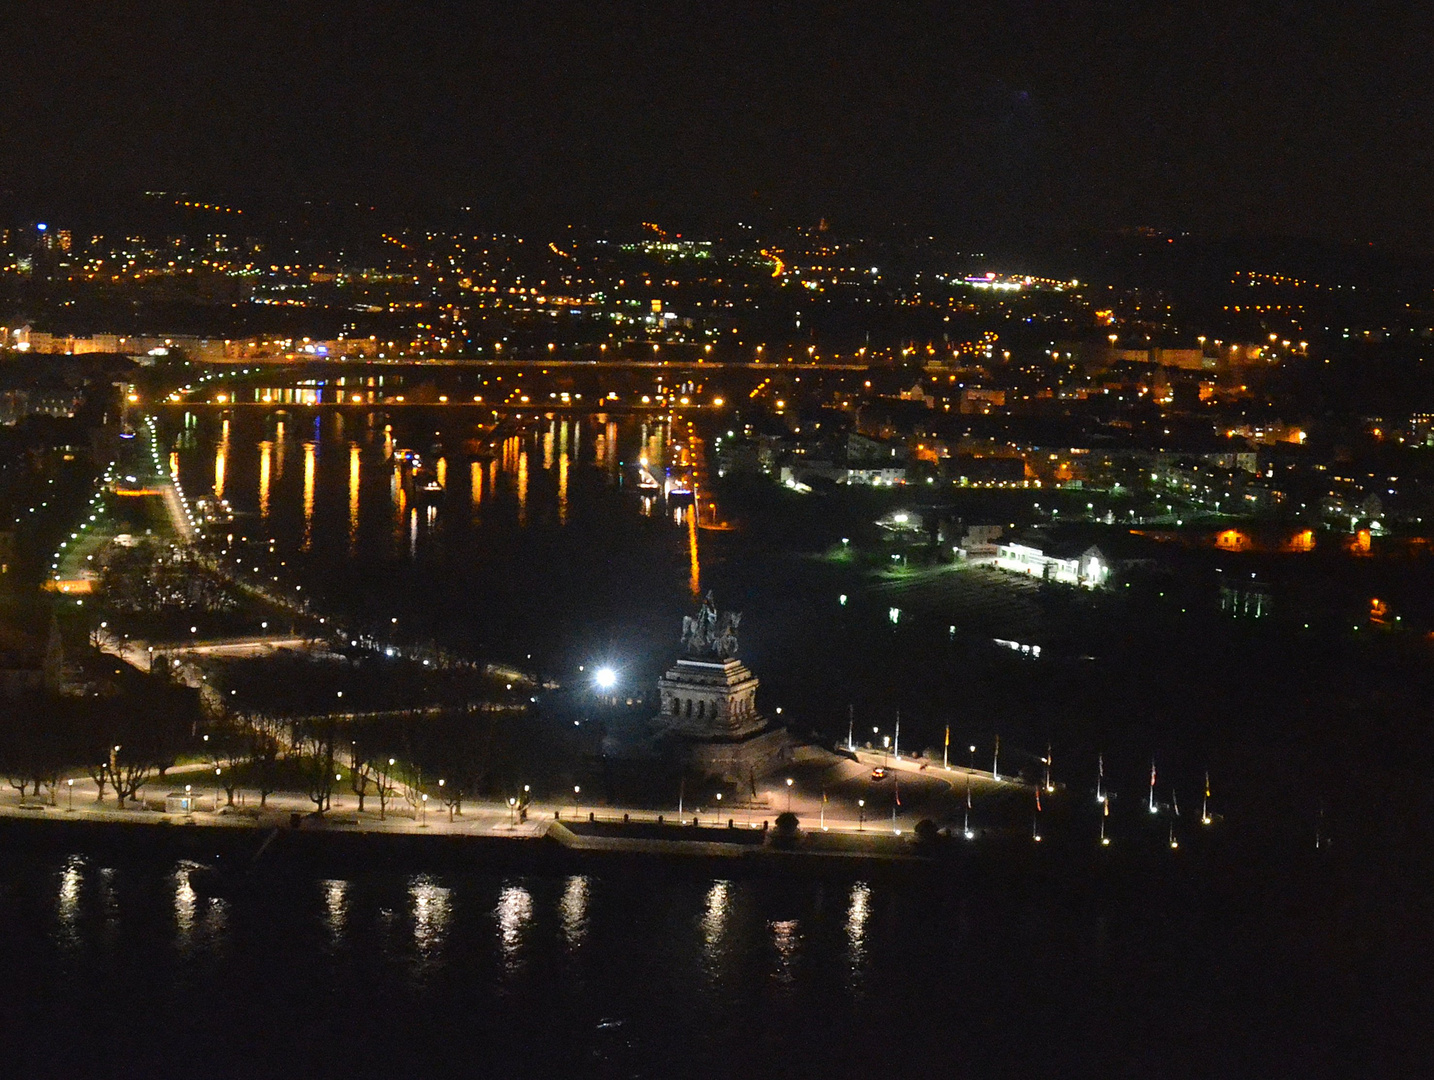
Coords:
pixel 226 748
pixel 411 784
pixel 37 742
pixel 361 773
pixel 383 783
pixel 316 737
pixel 100 774
pixel 458 747
pixel 452 796
pixel 265 737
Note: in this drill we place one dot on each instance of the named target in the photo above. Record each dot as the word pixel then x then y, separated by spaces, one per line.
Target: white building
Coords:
pixel 1089 568
pixel 978 543
pixel 876 477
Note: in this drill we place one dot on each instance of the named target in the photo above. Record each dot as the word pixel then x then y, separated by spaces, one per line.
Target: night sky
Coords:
pixel 1008 118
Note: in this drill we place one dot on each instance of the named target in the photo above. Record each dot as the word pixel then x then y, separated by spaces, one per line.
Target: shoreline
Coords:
pixel 999 862
pixel 324 849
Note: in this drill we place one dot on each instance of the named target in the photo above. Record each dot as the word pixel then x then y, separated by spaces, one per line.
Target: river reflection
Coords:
pixel 574 910
pixel 184 904
pixel 266 458
pixel 858 912
pixel 199 924
pixel 715 928
pixel 432 912
pixel 67 906
pixel 336 910
pixel 221 453
pixel 355 478
pixel 786 937
pixel 515 910
pixel 310 450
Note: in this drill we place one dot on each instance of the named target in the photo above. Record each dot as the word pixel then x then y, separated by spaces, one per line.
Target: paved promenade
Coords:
pixel 824 795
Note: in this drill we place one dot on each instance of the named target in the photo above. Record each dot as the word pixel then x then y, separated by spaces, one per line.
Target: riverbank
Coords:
pixel 321 851
pixel 297 847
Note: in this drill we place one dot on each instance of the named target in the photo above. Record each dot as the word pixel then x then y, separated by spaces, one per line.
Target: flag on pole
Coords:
pixel 1038 800
pixel 898 792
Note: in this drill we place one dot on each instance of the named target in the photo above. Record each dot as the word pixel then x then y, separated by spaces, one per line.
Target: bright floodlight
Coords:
pixel 605 678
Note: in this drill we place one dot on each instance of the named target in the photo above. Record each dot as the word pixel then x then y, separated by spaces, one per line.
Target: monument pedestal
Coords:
pixel 709 720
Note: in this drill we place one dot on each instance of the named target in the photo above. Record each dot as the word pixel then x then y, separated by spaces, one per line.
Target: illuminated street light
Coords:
pixel 605 678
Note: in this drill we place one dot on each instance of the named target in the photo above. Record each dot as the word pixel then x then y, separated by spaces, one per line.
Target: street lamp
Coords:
pixel 860 814
pixel 71 785
pixel 577 790
pixel 512 811
pixel 789 794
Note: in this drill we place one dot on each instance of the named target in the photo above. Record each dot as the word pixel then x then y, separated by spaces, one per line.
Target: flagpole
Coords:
pixel 967 828
pixel 946 749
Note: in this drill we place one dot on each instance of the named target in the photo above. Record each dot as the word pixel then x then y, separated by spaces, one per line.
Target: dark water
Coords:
pixel 114 967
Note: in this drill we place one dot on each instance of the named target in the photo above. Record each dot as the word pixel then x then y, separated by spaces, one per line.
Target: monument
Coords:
pixel 709 718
